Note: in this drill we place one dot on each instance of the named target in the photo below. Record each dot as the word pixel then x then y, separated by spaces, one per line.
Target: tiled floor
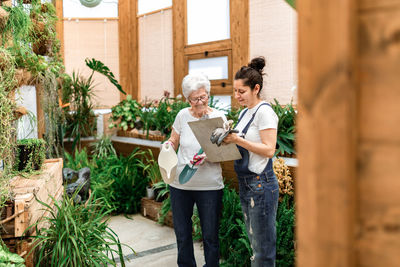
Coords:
pixel 155 245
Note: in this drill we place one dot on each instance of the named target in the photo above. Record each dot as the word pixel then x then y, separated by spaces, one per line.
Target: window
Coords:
pixel 207 21
pixel 216 68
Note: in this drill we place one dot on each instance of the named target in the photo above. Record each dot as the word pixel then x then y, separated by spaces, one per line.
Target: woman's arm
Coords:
pixel 174 139
pixel 266 148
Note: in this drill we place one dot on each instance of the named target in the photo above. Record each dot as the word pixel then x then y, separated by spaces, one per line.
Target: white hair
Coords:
pixel 194 82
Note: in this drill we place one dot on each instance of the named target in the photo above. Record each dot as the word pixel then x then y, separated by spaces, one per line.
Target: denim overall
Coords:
pixel 259 195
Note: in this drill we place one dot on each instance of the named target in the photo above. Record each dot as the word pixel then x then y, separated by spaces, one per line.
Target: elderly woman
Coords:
pixel 205 187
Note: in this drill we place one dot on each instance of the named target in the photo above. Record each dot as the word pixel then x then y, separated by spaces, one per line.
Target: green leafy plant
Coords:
pixel 286 128
pixel 235 249
pixel 285 220
pixel 8 258
pixel 165 113
pixel 80 122
pixel 103 147
pixel 124 115
pixel 77 235
pixel 78 160
pixel 150 167
pixel 127 185
pixel 99 67
pixel 30 155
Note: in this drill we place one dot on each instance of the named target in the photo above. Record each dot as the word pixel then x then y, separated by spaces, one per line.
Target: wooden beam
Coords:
pixel 239 16
pixel 379 152
pixel 326 192
pixel 60 25
pixel 179 32
pixel 128 48
pixel 210 46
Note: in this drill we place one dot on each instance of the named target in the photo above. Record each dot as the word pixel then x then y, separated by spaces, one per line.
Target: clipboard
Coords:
pixel 202 130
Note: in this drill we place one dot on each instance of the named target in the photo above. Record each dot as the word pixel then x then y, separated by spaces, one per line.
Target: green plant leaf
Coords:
pixel 99 67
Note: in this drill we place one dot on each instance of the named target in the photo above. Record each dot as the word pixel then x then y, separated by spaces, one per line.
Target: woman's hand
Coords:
pixel 231 138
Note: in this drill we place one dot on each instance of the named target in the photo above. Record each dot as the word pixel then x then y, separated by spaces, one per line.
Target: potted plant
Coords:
pixel 124 115
pixel 30 154
pixel 152 171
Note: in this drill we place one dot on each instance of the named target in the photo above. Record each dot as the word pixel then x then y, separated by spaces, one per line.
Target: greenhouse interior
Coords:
pixel 199 133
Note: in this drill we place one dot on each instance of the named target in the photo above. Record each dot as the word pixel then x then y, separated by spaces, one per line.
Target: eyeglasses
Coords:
pixel 202 98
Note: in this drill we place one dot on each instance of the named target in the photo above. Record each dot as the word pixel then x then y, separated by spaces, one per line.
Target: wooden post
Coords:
pixel 379 122
pixel 179 42
pixel 326 192
pixel 239 16
pixel 60 24
pixel 21 221
pixel 128 47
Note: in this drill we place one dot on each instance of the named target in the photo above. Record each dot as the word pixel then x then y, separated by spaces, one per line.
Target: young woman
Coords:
pixel 256 140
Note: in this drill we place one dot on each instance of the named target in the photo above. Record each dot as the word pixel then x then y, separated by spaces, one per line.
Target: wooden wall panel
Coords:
pixel 325 187
pixel 128 47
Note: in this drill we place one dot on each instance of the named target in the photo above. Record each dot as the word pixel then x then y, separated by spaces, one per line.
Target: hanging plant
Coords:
pixel 90 3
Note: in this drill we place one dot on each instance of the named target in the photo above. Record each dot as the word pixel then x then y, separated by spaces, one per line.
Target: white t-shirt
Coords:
pixel 209 175
pixel 265 119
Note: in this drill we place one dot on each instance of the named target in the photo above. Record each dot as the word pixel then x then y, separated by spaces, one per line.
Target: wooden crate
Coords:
pixel 24 209
pixel 151 209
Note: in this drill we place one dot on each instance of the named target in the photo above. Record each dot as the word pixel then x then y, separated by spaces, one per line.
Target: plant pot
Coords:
pixel 24 156
pixel 30 155
pixel 150 192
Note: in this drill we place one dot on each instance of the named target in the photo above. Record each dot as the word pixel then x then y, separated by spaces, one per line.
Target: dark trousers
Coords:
pixel 209 205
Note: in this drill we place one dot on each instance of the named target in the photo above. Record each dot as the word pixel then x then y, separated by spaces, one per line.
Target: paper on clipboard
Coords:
pixel 202 129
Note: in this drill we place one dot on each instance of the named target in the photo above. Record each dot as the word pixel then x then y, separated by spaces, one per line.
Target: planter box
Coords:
pixel 151 209
pixel 153 135
pixel 24 210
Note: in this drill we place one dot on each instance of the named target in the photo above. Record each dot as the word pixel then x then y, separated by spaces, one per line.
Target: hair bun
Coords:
pixel 257 63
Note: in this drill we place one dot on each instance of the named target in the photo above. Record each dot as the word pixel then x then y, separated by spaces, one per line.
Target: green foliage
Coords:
pixel 124 114
pixel 285 220
pixel 103 147
pixel 150 167
pixel 9 259
pixel 233 114
pixel 163 193
pixel 99 67
pixel 30 155
pixel 166 111
pixel 155 115
pixel 81 121
pixel 18 25
pixel 79 160
pixel 77 235
pixel 125 182
pixel 54 117
pixel 196 234
pixel 235 249
pixel 286 128
pixel 292 3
